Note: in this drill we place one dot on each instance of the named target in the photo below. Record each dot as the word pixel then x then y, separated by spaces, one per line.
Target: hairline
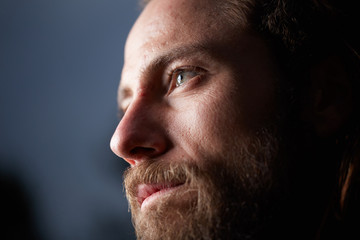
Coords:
pixel 235 12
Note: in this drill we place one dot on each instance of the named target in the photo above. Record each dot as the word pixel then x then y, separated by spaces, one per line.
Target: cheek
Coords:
pixel 205 125
pixel 211 121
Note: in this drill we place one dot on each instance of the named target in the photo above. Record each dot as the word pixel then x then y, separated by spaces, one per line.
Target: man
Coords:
pixel 240 120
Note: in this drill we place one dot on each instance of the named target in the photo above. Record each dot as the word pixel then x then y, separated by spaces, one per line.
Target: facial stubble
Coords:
pixel 222 197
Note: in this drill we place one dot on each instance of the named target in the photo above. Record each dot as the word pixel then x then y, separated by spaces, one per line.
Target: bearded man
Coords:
pixel 241 120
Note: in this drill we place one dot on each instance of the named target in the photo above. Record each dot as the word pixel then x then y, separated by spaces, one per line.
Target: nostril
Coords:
pixel 143 151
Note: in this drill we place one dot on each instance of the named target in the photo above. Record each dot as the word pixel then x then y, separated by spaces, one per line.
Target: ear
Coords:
pixel 330 97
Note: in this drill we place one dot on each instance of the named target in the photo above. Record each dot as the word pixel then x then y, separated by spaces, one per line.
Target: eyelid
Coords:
pixel 172 79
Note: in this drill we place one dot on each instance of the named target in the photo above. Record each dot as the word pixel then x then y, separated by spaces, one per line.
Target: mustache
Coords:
pixel 154 172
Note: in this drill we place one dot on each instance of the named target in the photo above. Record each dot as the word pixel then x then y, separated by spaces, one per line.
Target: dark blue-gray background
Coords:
pixel 60 63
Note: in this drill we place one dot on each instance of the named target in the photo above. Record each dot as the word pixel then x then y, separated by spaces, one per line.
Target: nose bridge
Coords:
pixel 136 118
pixel 139 135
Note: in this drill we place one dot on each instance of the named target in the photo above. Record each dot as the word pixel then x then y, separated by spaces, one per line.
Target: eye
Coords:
pixel 182 76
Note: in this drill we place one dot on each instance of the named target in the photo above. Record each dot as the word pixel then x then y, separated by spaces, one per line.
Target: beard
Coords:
pixel 220 197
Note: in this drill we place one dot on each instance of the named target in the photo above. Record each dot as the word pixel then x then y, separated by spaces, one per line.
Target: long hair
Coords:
pixel 300 34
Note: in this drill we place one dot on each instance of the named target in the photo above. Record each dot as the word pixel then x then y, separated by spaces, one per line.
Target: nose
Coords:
pixel 140 134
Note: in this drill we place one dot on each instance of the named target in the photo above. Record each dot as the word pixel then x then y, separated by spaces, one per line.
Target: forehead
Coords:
pixel 170 24
pixel 166 23
pixel 160 16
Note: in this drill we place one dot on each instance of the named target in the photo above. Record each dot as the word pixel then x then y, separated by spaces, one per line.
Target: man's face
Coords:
pixel 199 125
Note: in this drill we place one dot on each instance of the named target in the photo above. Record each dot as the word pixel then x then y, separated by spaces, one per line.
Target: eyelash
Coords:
pixel 172 77
pixel 174 74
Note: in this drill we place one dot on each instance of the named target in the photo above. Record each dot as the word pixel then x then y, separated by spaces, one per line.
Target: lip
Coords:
pixel 147 193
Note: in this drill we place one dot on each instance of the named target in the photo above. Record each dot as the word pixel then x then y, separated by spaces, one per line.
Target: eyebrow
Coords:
pixel 174 54
pixel 165 58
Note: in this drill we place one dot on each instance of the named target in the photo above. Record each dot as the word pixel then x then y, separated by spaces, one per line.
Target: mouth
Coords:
pixel 148 193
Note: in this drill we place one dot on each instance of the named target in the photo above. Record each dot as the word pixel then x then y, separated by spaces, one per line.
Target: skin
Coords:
pixel 228 95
